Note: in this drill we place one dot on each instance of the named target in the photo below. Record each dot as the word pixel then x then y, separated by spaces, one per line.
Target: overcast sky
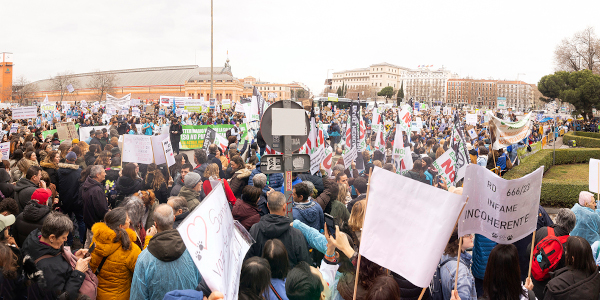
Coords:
pixel 285 41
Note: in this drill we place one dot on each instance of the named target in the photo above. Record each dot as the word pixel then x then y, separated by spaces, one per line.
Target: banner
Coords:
pixel 446 166
pixel 226 104
pixel 48 107
pixel 125 100
pixel 332 97
pixel 66 131
pixel 398 142
pixel 535 147
pixel 405 120
pixel 137 149
pixel 5 149
pixel 169 100
pixel 259 101
pixel 504 211
pixel 504 134
pixel 216 242
pixel 327 161
pixel 24 112
pixel 423 205
pixel 193 135
pixel 457 143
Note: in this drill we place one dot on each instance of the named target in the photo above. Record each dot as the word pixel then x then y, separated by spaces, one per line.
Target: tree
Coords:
pixel 341 91
pixel 579 88
pixel 387 92
pixel 400 95
pixel 61 81
pixel 102 83
pixel 23 89
pixel 301 93
pixel 580 52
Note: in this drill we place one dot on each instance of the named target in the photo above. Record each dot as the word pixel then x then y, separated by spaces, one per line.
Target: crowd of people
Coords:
pixel 78 222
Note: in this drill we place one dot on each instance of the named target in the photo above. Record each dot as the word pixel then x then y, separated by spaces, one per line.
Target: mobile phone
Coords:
pixel 89 253
pixel 330 223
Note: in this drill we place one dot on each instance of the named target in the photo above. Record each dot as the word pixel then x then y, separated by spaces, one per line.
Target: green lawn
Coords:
pixel 575 172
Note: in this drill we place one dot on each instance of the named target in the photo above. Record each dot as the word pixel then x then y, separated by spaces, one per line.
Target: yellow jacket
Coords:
pixel 114 279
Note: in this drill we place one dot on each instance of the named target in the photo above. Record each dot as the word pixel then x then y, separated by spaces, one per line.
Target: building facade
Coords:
pixel 485 93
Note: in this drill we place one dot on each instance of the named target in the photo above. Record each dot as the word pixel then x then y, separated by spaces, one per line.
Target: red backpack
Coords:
pixel 547 254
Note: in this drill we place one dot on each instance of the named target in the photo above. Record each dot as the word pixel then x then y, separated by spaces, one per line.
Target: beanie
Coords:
pixel 75 141
pixel 584 197
pixel 41 196
pixel 71 156
pixel 191 180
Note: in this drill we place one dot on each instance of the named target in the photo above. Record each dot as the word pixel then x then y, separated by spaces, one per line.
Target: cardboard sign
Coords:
pixel 472 119
pixel 216 242
pixel 138 149
pixel 66 131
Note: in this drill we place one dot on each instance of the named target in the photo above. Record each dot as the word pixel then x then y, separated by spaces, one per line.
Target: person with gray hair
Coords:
pixel 180 209
pixel 166 264
pixel 135 210
pixel 565 222
pixel 95 205
pixel 277 226
pixel 260 181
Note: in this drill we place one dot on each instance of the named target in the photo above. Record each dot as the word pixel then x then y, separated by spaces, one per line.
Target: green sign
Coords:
pixel 51 132
pixel 193 135
pixel 535 147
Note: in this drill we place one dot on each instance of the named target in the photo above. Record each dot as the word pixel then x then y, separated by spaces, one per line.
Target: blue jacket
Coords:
pixel 274 181
pixel 313 237
pixel 309 213
pixel 587 225
pixel 466 281
pixel 184 295
pixel 296 181
pixel 481 252
pixel 279 285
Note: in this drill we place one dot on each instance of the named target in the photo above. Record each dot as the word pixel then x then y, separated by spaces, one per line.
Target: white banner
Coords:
pixel 404 162
pixel 138 149
pixel 66 131
pixel 384 235
pixel 472 119
pixel 316 158
pixel 505 133
pixel 217 245
pixel 398 142
pixel 84 132
pixel 24 112
pixel 5 149
pixel 504 211
pixel 405 120
pixel 446 166
pixel 350 157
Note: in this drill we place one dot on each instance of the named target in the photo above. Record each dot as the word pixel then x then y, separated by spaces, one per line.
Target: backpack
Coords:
pixel 436 283
pixel 546 255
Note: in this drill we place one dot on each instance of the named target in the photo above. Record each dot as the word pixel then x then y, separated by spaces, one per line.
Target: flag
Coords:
pixel 327 162
pixel 446 166
pixel 260 102
pixel 457 143
pixel 268 150
pixel 504 134
pixel 384 235
pixel 70 88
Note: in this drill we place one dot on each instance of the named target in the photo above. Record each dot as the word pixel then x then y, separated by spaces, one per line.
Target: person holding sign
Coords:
pixel 466 281
pixel 588 221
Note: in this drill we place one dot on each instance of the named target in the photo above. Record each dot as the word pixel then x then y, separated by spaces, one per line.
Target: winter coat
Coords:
pixel 328 195
pixel 358 198
pixel 587 225
pixel 416 176
pixel 409 291
pixel 114 279
pixel 247 214
pixel 274 180
pixel 59 275
pixel 481 252
pixel 95 205
pixel 278 227
pixel 339 211
pixel 23 191
pixel 179 219
pixel 567 284
pixel 212 159
pixel 80 161
pixel 50 168
pixel 31 218
pixel 207 188
pixel 238 181
pixel 175 137
pixel 192 197
pixel 89 158
pixel 309 213
pixel 126 186
pixel 177 185
pixel 317 181
pixel 466 281
pixel 165 265
pixel 7 188
pixel 68 187
pixel 161 193
pixel 539 287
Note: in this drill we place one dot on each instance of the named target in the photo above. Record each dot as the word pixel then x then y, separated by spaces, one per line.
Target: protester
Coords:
pixel 155 181
pixel 246 211
pixel 502 278
pixel 130 183
pixel 260 181
pixel 50 165
pixel 33 215
pixel 254 278
pixel 26 186
pixel 239 179
pixel 68 174
pixel 95 204
pixel 6 188
pixel 276 254
pixel 448 265
pixel 180 209
pixel 305 209
pixel 178 182
pixel 588 221
pixel 213 178
pixel 191 190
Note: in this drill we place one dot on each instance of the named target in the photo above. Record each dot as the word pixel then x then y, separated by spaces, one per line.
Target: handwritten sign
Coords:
pixel 471 119
pixel 138 149
pixel 5 149
pixel 66 131
pixel 168 150
pixel 502 210
pixel 216 242
pixel 24 112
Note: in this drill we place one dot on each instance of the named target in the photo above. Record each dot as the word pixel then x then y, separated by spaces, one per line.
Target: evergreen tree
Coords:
pixel 400 95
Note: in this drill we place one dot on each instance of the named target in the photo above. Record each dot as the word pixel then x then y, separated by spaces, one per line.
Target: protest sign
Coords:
pixel 472 133
pixel 446 166
pixel 327 161
pixel 226 103
pixel 349 157
pixel 405 120
pixel 66 131
pixel 24 112
pixel 383 232
pixel 216 242
pixel 502 210
pixel 14 127
pixel 471 119
pixel 169 100
pixel 404 162
pixel 398 141
pixel 134 102
pixel 193 135
pixel 524 152
pixel 150 109
pixel 504 134
pixel 447 111
pixel 193 105
pixel 594 175
pixel 457 143
pixel 48 107
pixel 5 149
pixel 84 132
pixel 138 149
pixel 135 111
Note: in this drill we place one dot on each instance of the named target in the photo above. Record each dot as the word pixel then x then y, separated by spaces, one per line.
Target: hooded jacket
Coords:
pixel 278 227
pixel 165 265
pixel 246 213
pixel 23 191
pixel 568 283
pixel 31 218
pixel 50 168
pixel 309 213
pixel 90 158
pixel 127 186
pixel 177 185
pixel 238 181
pixel 179 219
pixel 95 205
pixel 68 186
pixel 192 197
pixel 317 181
pixel 59 275
pixel 6 187
pixel 114 279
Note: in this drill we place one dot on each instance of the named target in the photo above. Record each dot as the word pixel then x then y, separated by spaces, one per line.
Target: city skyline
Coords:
pixel 285 42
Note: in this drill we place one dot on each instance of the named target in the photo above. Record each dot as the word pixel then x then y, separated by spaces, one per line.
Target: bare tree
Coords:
pixel 103 83
pixel 61 81
pixel 23 89
pixel 582 51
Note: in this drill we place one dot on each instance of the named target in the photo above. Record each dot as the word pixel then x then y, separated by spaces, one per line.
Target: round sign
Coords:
pixel 276 142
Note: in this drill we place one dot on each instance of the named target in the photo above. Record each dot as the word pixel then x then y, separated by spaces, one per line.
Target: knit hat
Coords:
pixel 584 197
pixel 71 156
pixel 6 221
pixel 114 151
pixel 75 141
pixel 191 180
pixel 41 196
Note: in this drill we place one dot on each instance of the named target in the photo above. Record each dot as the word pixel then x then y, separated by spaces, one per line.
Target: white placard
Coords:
pixel 24 112
pixel 216 244
pixel 84 132
pixel 472 133
pixel 134 102
pixel 384 232
pixel 135 111
pixel 168 151
pixel 5 149
pixel 446 166
pixel 472 119
pixel 593 176
pixel 137 148
pixel 287 121
pixel 504 211
pixel 350 157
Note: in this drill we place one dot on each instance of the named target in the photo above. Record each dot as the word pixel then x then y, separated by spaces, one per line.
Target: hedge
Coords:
pixel 562 193
pixel 583 139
